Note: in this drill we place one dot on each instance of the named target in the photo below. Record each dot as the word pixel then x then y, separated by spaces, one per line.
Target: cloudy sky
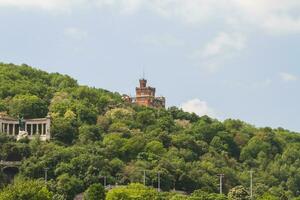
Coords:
pixel 224 58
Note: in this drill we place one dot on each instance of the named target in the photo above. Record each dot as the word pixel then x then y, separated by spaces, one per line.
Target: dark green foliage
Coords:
pixel 65 129
pixel 26 190
pixel 90 133
pixel 68 186
pixel 180 114
pixel 95 192
pixel 28 106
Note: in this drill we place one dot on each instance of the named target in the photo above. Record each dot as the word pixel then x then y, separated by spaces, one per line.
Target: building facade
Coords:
pixel 145 96
pixel 29 128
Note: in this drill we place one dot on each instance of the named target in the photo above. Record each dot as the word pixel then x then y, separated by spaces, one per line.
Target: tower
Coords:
pixel 145 96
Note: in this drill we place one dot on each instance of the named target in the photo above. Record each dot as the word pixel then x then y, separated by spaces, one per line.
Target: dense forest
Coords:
pixel 98 139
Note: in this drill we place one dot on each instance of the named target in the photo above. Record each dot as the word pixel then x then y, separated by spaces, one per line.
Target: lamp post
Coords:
pixel 158 182
pixel 221 176
pixel 144 178
pixel 46 174
pixel 104 181
pixel 251 183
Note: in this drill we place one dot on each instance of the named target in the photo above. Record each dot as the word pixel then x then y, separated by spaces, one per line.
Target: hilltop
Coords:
pixel 95 134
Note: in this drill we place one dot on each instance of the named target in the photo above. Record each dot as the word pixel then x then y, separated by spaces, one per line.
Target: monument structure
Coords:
pixel 21 128
pixel 145 96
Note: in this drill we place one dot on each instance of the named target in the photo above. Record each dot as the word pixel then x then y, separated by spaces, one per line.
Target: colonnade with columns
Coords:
pixel 33 127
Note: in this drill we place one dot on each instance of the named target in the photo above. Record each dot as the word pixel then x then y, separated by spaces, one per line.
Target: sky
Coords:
pixel 225 58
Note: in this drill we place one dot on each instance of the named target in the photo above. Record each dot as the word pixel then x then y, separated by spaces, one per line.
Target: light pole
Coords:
pixel 144 179
pixel 251 183
pixel 221 182
pixel 158 184
pixel 104 181
pixel 174 186
pixel 46 174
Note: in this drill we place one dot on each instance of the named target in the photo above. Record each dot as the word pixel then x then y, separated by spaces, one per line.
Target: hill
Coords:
pixel 97 136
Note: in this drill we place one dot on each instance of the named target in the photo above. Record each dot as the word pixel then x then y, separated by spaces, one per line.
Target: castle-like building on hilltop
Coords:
pixel 145 96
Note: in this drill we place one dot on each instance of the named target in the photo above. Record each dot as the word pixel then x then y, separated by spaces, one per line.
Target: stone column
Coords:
pixel 48 125
pixel 42 130
pixel 38 129
pixel 31 133
pixel 14 130
pixel 8 129
pixel 1 126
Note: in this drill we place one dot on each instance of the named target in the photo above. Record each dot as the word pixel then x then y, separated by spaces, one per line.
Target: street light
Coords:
pixel 221 182
pixel 158 184
pixel 46 174
pixel 144 178
pixel 251 183
pixel 104 180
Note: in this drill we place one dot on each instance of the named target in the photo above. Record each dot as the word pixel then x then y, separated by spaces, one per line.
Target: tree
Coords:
pixel 145 118
pixel 29 106
pixel 95 192
pixel 26 190
pixel 155 147
pixel 89 133
pixel 69 186
pixel 60 81
pixel 179 197
pixel 120 115
pixel 238 193
pixel 180 114
pixel 64 129
pixel 202 195
pixel 132 191
pixel 14 151
pixel 268 196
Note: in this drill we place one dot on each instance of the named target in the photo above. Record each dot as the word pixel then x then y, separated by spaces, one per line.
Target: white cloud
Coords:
pixel 39 4
pixel 191 11
pixel 224 43
pixel 161 40
pixel 262 84
pixel 221 48
pixel 247 84
pixel 75 33
pixel 122 6
pixel 288 77
pixel 282 25
pixel 197 106
pixel 273 16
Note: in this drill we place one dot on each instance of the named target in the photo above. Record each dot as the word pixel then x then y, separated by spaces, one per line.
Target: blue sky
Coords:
pixel 225 58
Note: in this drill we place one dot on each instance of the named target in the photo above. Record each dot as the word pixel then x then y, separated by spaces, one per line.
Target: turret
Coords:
pixel 143 83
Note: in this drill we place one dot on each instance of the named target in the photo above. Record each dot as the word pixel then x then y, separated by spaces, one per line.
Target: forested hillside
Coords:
pixel 97 136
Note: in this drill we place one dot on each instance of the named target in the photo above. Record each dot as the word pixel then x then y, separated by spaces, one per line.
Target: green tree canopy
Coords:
pixel 95 192
pixel 29 106
pixel 26 190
